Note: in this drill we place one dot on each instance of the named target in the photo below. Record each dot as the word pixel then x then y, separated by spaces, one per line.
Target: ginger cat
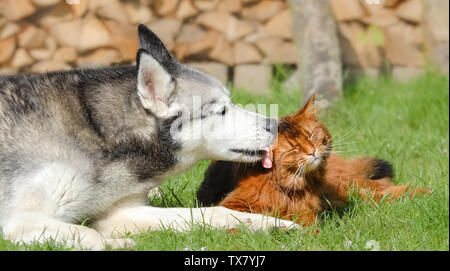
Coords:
pixel 300 177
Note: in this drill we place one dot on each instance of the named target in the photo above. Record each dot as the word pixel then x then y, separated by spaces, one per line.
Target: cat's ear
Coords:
pixel 309 110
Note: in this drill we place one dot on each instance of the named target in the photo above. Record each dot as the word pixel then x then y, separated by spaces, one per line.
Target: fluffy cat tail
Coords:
pixel 373 168
pixel 365 167
pixel 380 169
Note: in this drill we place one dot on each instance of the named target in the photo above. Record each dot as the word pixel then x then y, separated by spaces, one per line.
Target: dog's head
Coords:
pixel 203 121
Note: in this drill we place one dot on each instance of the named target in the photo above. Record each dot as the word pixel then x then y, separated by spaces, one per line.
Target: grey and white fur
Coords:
pixel 89 144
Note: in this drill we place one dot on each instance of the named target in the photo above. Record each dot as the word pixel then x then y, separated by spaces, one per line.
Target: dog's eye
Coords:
pixel 223 111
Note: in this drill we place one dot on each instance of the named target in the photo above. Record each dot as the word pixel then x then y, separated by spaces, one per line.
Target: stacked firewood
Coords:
pixel 241 38
pixel 380 34
pixel 47 35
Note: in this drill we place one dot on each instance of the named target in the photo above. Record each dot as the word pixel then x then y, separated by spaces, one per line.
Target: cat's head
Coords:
pixel 303 146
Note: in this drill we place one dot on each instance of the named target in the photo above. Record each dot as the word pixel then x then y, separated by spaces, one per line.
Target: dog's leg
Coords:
pixel 47 204
pixel 31 227
pixel 142 218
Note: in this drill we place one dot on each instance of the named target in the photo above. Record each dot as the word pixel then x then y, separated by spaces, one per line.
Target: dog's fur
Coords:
pixel 89 144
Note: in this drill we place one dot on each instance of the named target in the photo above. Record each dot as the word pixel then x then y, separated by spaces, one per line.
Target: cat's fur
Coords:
pixel 306 177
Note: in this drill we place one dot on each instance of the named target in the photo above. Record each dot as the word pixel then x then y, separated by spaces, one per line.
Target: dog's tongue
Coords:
pixel 267 161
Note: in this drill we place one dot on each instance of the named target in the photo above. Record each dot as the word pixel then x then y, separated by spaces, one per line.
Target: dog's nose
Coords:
pixel 272 126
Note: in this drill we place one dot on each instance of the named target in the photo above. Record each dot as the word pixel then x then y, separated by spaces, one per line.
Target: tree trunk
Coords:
pixel 436 29
pixel 319 63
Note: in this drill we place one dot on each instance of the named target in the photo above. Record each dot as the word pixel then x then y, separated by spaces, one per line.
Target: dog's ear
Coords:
pixel 154 46
pixel 154 84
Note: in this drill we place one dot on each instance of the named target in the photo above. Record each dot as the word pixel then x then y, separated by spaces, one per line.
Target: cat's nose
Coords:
pixel 271 126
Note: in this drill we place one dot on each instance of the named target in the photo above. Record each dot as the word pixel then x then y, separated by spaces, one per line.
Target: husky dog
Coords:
pixel 89 144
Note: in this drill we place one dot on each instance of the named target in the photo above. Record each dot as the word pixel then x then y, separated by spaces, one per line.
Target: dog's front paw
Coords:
pixel 258 221
pixel 119 243
pixel 262 222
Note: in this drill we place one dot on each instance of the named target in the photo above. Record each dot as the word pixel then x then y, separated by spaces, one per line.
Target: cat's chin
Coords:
pixel 313 165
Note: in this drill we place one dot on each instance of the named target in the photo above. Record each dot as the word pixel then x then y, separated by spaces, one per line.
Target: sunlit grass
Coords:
pixel 406 124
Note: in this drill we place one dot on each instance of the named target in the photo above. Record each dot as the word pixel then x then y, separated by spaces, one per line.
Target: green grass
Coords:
pixel 407 124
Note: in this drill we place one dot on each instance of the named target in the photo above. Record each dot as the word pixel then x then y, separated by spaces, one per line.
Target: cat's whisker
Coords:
pixel 339 140
pixel 300 174
pixel 287 189
pixel 343 151
pixel 345 145
pixel 303 171
pixel 337 148
pixel 346 134
pixel 290 186
pixel 341 144
pixel 335 143
pixel 296 172
pixel 302 166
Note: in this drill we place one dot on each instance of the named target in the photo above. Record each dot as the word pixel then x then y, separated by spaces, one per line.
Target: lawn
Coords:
pixel 404 123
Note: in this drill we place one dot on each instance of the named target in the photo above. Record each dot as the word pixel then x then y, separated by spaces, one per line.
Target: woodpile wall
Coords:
pixel 377 35
pixel 235 40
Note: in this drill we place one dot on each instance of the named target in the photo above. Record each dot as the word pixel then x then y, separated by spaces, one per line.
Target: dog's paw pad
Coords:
pixel 288 225
pixel 283 227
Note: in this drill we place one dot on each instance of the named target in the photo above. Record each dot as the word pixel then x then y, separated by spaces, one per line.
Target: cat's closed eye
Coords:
pixel 316 136
pixel 288 156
